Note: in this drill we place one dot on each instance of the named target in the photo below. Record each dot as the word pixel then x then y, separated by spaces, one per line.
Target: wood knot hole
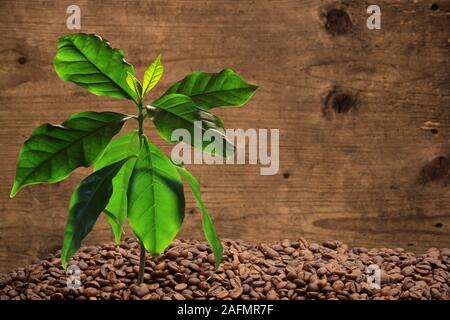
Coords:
pixel 436 170
pixel 340 101
pixel 22 60
pixel 338 22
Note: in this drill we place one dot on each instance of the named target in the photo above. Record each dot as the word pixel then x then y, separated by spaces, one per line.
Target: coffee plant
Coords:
pixel 132 178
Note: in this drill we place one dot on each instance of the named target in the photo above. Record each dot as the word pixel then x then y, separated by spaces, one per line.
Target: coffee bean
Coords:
pixel 396 277
pixel 353 275
pixel 378 260
pixel 236 292
pixel 338 285
pixel 270 253
pixel 329 256
pixel 362 250
pixel 172 266
pixel 180 286
pixel 204 286
pixel 259 283
pixel 417 295
pixel 330 245
pixel 384 277
pixel 385 291
pixel 289 250
pixel 235 282
pixel 246 288
pixel 90 292
pixel 312 295
pixel 407 271
pixel 82 265
pixel 255 275
pixel 201 247
pixel 423 268
pixel 119 286
pixel 288 270
pixel 394 292
pixel 107 289
pixel 211 259
pixel 57 296
pixel 121 273
pixel 161 266
pixel 222 294
pixel 93 284
pixel 291 275
pixel 435 294
pixel 193 281
pixel 321 271
pixel 272 295
pixel 244 256
pixel 312 287
pixel 178 296
pixel 321 283
pixel 139 291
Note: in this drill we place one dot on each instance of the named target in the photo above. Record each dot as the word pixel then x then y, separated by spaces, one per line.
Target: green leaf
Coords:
pixel 155 199
pixel 177 111
pixel 54 151
pixel 152 75
pixel 90 61
pixel 87 201
pixel 118 149
pixel 134 85
pixel 210 90
pixel 208 227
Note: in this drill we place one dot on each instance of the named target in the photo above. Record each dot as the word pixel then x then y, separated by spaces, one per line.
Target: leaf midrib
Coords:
pixel 88 204
pixel 67 146
pixel 144 91
pixel 183 117
pixel 154 206
pixel 217 91
pixel 100 71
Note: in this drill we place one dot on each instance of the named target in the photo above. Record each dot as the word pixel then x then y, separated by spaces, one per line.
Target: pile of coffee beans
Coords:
pixel 294 270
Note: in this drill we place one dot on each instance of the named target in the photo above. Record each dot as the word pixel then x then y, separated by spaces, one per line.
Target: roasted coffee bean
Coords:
pixel 330 245
pixel 171 255
pixel 139 291
pixel 180 286
pixel 222 294
pixel 272 295
pixel 236 292
pixel 93 284
pixel 57 296
pixel 172 266
pixel 119 286
pixel 193 281
pixel 287 270
pixel 177 296
pixel 83 265
pixel 90 292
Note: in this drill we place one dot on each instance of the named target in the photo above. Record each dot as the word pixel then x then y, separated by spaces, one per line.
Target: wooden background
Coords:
pixel 363 115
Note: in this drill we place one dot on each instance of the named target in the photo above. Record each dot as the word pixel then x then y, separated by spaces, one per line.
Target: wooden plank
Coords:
pixel 370 176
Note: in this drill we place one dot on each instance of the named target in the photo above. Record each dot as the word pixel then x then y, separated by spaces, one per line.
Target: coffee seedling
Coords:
pixel 132 179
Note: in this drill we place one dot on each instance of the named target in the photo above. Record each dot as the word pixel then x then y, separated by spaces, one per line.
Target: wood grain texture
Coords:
pixel 363 115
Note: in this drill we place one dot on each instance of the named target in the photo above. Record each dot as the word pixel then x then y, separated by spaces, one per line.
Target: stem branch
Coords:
pixel 142 255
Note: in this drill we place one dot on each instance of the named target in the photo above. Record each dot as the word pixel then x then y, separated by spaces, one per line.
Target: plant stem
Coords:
pixel 141 266
pixel 141 122
pixel 143 253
